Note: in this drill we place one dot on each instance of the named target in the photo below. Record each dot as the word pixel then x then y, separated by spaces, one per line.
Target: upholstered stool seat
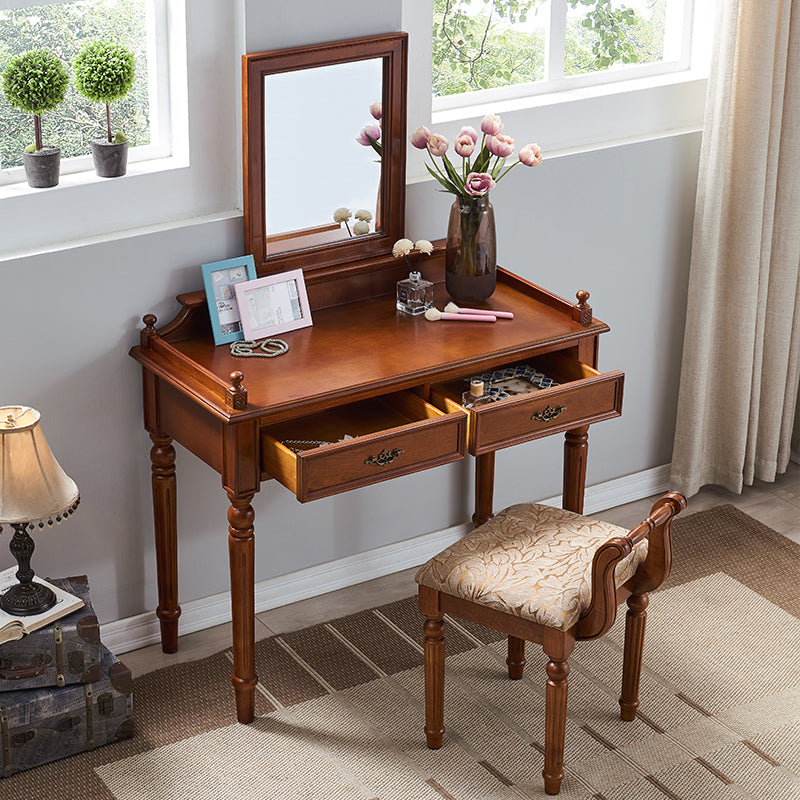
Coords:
pixel 531 561
pixel 550 576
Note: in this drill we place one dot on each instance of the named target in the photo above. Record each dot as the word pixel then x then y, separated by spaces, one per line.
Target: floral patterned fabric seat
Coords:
pixel 530 560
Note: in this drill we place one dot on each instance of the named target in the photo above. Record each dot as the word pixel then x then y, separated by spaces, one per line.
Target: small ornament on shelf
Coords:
pixel 414 293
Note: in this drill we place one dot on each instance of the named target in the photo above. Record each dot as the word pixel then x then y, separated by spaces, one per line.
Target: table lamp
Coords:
pixel 33 489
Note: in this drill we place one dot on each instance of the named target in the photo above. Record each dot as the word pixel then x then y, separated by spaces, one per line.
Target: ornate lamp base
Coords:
pixel 25 598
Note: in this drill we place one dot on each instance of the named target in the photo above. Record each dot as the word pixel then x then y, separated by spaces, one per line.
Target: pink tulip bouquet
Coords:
pixel 476 177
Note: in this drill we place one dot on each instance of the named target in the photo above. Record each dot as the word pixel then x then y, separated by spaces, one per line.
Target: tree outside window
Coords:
pixel 485 44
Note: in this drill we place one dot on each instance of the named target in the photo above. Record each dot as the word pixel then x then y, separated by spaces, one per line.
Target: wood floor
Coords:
pixel 775 504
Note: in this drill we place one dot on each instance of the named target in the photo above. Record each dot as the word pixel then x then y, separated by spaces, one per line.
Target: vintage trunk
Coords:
pixel 42 725
pixel 66 652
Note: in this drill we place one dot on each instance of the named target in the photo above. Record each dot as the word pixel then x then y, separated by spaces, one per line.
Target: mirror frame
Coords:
pixel 393 49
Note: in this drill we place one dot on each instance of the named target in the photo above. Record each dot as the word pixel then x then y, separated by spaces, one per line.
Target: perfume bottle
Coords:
pixel 414 294
pixel 474 396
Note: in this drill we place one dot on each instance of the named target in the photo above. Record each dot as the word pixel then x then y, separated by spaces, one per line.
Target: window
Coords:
pixel 485 50
pixel 62 28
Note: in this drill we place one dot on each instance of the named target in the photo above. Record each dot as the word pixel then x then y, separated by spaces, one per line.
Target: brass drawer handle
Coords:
pixel 549 414
pixel 384 457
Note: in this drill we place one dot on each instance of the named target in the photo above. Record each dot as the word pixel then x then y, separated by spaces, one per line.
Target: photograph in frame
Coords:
pixel 273 304
pixel 219 279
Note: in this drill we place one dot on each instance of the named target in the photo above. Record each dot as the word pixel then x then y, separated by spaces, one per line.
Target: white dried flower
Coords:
pixel 341 215
pixel 361 227
pixel 424 246
pixel 363 214
pixel 402 247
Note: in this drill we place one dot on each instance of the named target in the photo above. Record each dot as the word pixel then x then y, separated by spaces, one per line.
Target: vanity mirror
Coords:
pixel 309 114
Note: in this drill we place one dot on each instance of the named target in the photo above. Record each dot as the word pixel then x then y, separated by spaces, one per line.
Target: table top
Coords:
pixel 358 350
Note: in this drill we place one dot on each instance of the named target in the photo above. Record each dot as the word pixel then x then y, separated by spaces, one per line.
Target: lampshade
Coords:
pixel 33 487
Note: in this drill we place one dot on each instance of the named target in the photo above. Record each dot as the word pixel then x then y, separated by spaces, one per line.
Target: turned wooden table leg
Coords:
pixel 555 725
pixel 516 657
pixel 635 621
pixel 434 666
pixel 576 448
pixel 241 549
pixel 165 519
pixel 484 488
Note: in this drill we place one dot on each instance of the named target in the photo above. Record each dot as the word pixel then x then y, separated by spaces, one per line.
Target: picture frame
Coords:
pixel 219 280
pixel 273 304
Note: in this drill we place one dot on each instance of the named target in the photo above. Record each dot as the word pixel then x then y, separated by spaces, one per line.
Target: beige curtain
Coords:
pixel 741 352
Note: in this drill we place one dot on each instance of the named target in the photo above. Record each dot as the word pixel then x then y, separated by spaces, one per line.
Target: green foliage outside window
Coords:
pixel 63 29
pixel 483 44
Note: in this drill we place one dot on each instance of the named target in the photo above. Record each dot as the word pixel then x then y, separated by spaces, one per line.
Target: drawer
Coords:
pixel 392 435
pixel 583 396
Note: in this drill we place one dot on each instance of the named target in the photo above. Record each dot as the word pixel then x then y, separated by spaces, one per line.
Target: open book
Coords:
pixel 12 627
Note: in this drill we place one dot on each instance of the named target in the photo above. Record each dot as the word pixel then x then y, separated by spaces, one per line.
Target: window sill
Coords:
pixel 588 118
pixel 89 176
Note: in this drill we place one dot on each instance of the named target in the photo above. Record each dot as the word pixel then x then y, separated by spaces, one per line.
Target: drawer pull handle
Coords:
pixel 549 414
pixel 384 457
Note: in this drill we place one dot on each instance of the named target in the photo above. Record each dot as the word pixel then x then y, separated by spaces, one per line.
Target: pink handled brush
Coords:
pixel 434 315
pixel 452 308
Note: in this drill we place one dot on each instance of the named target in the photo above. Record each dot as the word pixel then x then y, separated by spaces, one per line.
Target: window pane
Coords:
pixel 63 28
pixel 607 34
pixel 483 44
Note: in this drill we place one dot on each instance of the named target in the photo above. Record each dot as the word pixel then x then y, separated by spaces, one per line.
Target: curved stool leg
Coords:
pixel 516 657
pixel 555 725
pixel 635 621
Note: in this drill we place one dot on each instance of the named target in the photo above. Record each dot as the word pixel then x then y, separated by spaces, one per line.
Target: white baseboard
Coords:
pixel 142 630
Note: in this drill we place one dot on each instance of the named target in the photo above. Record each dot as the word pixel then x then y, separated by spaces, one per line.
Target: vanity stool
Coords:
pixel 550 576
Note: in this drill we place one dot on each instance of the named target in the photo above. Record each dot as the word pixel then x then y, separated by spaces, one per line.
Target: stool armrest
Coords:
pixel 655 569
pixel 602 611
pixel 652 572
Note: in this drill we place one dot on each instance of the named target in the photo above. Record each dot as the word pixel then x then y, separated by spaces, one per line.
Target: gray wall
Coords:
pixel 614 221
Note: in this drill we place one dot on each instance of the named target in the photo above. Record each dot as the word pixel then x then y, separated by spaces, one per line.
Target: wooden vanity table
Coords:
pixel 390 381
pixel 383 377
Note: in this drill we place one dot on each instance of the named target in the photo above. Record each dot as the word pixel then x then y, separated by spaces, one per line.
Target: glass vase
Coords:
pixel 471 255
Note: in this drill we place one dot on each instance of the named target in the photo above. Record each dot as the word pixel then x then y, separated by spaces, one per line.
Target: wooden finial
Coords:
pixel 584 310
pixel 236 395
pixel 149 329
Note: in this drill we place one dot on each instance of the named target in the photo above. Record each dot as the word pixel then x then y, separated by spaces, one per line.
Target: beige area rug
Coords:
pixel 340 706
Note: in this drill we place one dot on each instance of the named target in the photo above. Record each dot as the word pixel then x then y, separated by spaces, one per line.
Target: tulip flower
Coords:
pixel 437 145
pixel 531 155
pixel 468 130
pixel 420 137
pixel 464 145
pixel 491 125
pixel 500 145
pixel 376 109
pixel 479 184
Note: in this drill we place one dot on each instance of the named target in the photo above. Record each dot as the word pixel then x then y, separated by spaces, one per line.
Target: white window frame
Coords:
pixel 574 114
pixel 159 90
pixel 554 79
pixel 198 182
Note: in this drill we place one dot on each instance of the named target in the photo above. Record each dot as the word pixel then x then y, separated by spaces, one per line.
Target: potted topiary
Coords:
pixel 104 73
pixel 35 82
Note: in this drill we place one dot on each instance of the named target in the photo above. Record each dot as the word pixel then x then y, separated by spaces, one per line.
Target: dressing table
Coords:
pixel 390 381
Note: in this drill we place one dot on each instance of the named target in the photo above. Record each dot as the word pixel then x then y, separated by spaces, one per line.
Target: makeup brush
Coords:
pixel 452 308
pixel 434 315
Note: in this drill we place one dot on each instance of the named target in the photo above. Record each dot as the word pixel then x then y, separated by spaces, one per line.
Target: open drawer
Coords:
pixel 581 395
pixel 362 443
